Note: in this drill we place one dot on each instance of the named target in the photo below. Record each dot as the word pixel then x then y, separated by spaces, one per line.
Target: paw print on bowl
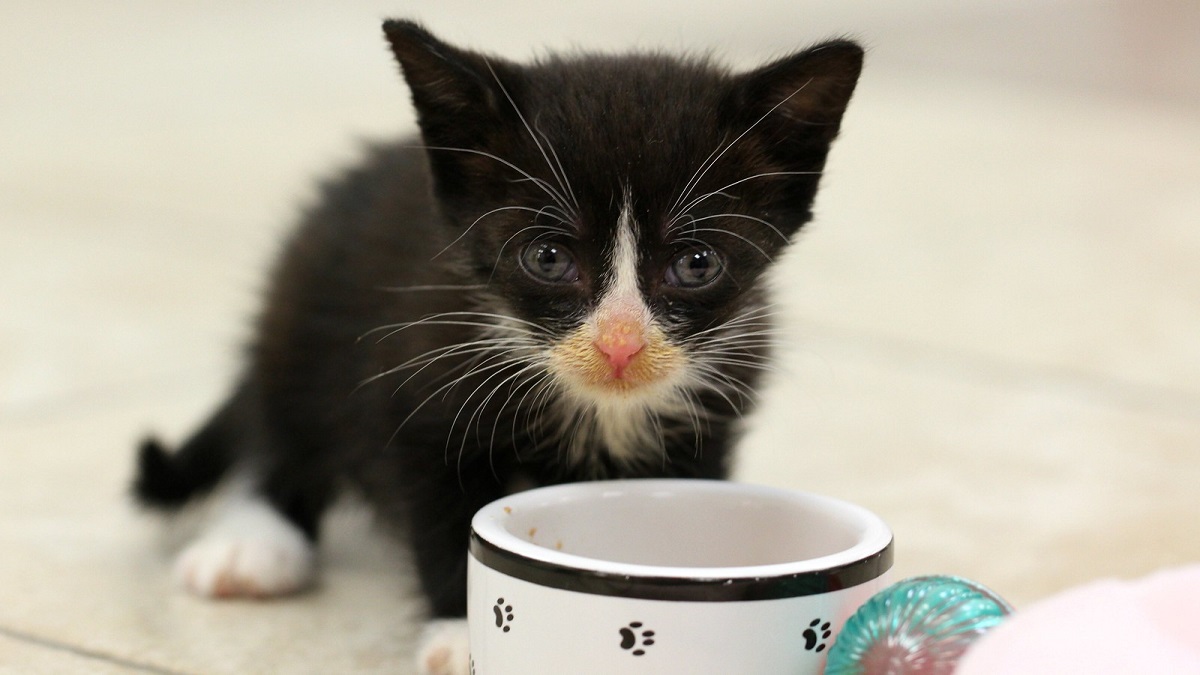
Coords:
pixel 815 636
pixel 635 639
pixel 504 615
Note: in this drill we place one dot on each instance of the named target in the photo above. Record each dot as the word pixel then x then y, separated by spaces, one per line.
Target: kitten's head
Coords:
pixel 627 207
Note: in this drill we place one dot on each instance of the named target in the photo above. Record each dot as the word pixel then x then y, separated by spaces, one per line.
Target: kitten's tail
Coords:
pixel 167 480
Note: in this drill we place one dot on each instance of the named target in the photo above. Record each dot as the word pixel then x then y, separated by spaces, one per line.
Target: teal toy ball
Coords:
pixel 921 625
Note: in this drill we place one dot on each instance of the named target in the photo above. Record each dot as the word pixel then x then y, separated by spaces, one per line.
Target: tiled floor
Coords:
pixel 996 317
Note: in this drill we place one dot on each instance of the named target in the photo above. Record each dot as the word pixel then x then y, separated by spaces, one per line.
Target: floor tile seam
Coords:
pixel 62 647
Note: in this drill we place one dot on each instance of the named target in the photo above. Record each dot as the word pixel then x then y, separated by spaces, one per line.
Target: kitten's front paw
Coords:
pixel 252 553
pixel 444 648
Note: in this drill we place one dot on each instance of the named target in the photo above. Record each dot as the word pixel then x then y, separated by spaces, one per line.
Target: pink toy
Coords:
pixel 1150 625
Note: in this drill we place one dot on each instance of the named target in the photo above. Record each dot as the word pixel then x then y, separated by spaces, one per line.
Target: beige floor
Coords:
pixel 996 317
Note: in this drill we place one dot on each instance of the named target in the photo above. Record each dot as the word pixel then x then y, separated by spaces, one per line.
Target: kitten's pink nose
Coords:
pixel 620 340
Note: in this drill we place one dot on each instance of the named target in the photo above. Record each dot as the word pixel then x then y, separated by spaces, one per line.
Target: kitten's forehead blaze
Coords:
pixel 619 351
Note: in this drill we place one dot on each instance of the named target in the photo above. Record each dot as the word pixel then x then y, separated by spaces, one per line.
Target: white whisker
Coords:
pixel 497 370
pixel 689 401
pixel 735 335
pixel 717 390
pixel 695 202
pixel 534 382
pixel 445 389
pixel 742 216
pixel 467 229
pixel 560 178
pixel 440 320
pixel 561 172
pixel 753 365
pixel 545 187
pixel 754 314
pixel 717 230
pixel 735 351
pixel 479 353
pixel 712 161
pixel 697 175
pixel 529 372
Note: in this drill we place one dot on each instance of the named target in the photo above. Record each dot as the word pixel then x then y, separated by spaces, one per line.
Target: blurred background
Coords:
pixel 993 322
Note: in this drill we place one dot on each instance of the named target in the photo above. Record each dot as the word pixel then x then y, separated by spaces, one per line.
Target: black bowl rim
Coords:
pixel 682 589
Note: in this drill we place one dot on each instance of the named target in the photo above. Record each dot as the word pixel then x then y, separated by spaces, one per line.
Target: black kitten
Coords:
pixel 564 282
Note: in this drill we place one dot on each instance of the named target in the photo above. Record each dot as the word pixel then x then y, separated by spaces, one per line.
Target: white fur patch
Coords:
pixel 621 420
pixel 444 648
pixel 624 286
pixel 248 551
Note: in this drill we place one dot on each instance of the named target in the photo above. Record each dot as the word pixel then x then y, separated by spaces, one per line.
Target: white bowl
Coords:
pixel 667 576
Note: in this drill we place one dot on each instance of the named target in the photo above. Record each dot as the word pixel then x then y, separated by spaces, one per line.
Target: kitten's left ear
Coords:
pixel 800 98
pixel 459 99
pixel 444 80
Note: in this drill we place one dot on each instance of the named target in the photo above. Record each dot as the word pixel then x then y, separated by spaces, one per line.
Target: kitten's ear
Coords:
pixel 788 112
pixel 444 80
pixel 457 93
pixel 798 101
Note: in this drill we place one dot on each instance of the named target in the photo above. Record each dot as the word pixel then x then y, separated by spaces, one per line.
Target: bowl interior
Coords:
pixel 681 524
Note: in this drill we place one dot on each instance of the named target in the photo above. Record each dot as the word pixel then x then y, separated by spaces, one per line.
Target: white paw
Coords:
pixel 250 551
pixel 444 648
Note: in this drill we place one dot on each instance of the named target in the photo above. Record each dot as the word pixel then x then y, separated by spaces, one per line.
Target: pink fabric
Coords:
pixel 1150 625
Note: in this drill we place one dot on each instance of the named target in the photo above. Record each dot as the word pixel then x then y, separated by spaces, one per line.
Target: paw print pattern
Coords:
pixel 815 636
pixel 504 615
pixel 631 636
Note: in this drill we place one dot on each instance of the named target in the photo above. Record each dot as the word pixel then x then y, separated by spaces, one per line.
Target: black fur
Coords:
pixel 313 413
pixel 169 480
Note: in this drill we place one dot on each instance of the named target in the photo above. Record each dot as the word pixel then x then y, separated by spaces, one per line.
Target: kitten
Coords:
pixel 563 280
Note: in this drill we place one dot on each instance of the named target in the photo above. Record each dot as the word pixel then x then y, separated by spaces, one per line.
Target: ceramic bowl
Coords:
pixel 668 576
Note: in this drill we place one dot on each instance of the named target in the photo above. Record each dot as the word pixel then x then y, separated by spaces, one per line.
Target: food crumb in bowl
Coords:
pixel 508 510
pixel 558 545
pixel 532 532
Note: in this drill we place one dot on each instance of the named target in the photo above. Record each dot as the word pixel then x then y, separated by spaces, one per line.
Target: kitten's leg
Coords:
pixel 444 648
pixel 439 533
pixel 249 549
pixel 440 514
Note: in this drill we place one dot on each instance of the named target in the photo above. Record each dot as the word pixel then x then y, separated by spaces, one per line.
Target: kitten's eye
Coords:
pixel 549 262
pixel 695 268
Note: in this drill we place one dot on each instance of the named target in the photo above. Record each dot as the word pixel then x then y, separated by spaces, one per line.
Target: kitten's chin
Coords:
pixel 627 390
pixel 620 391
